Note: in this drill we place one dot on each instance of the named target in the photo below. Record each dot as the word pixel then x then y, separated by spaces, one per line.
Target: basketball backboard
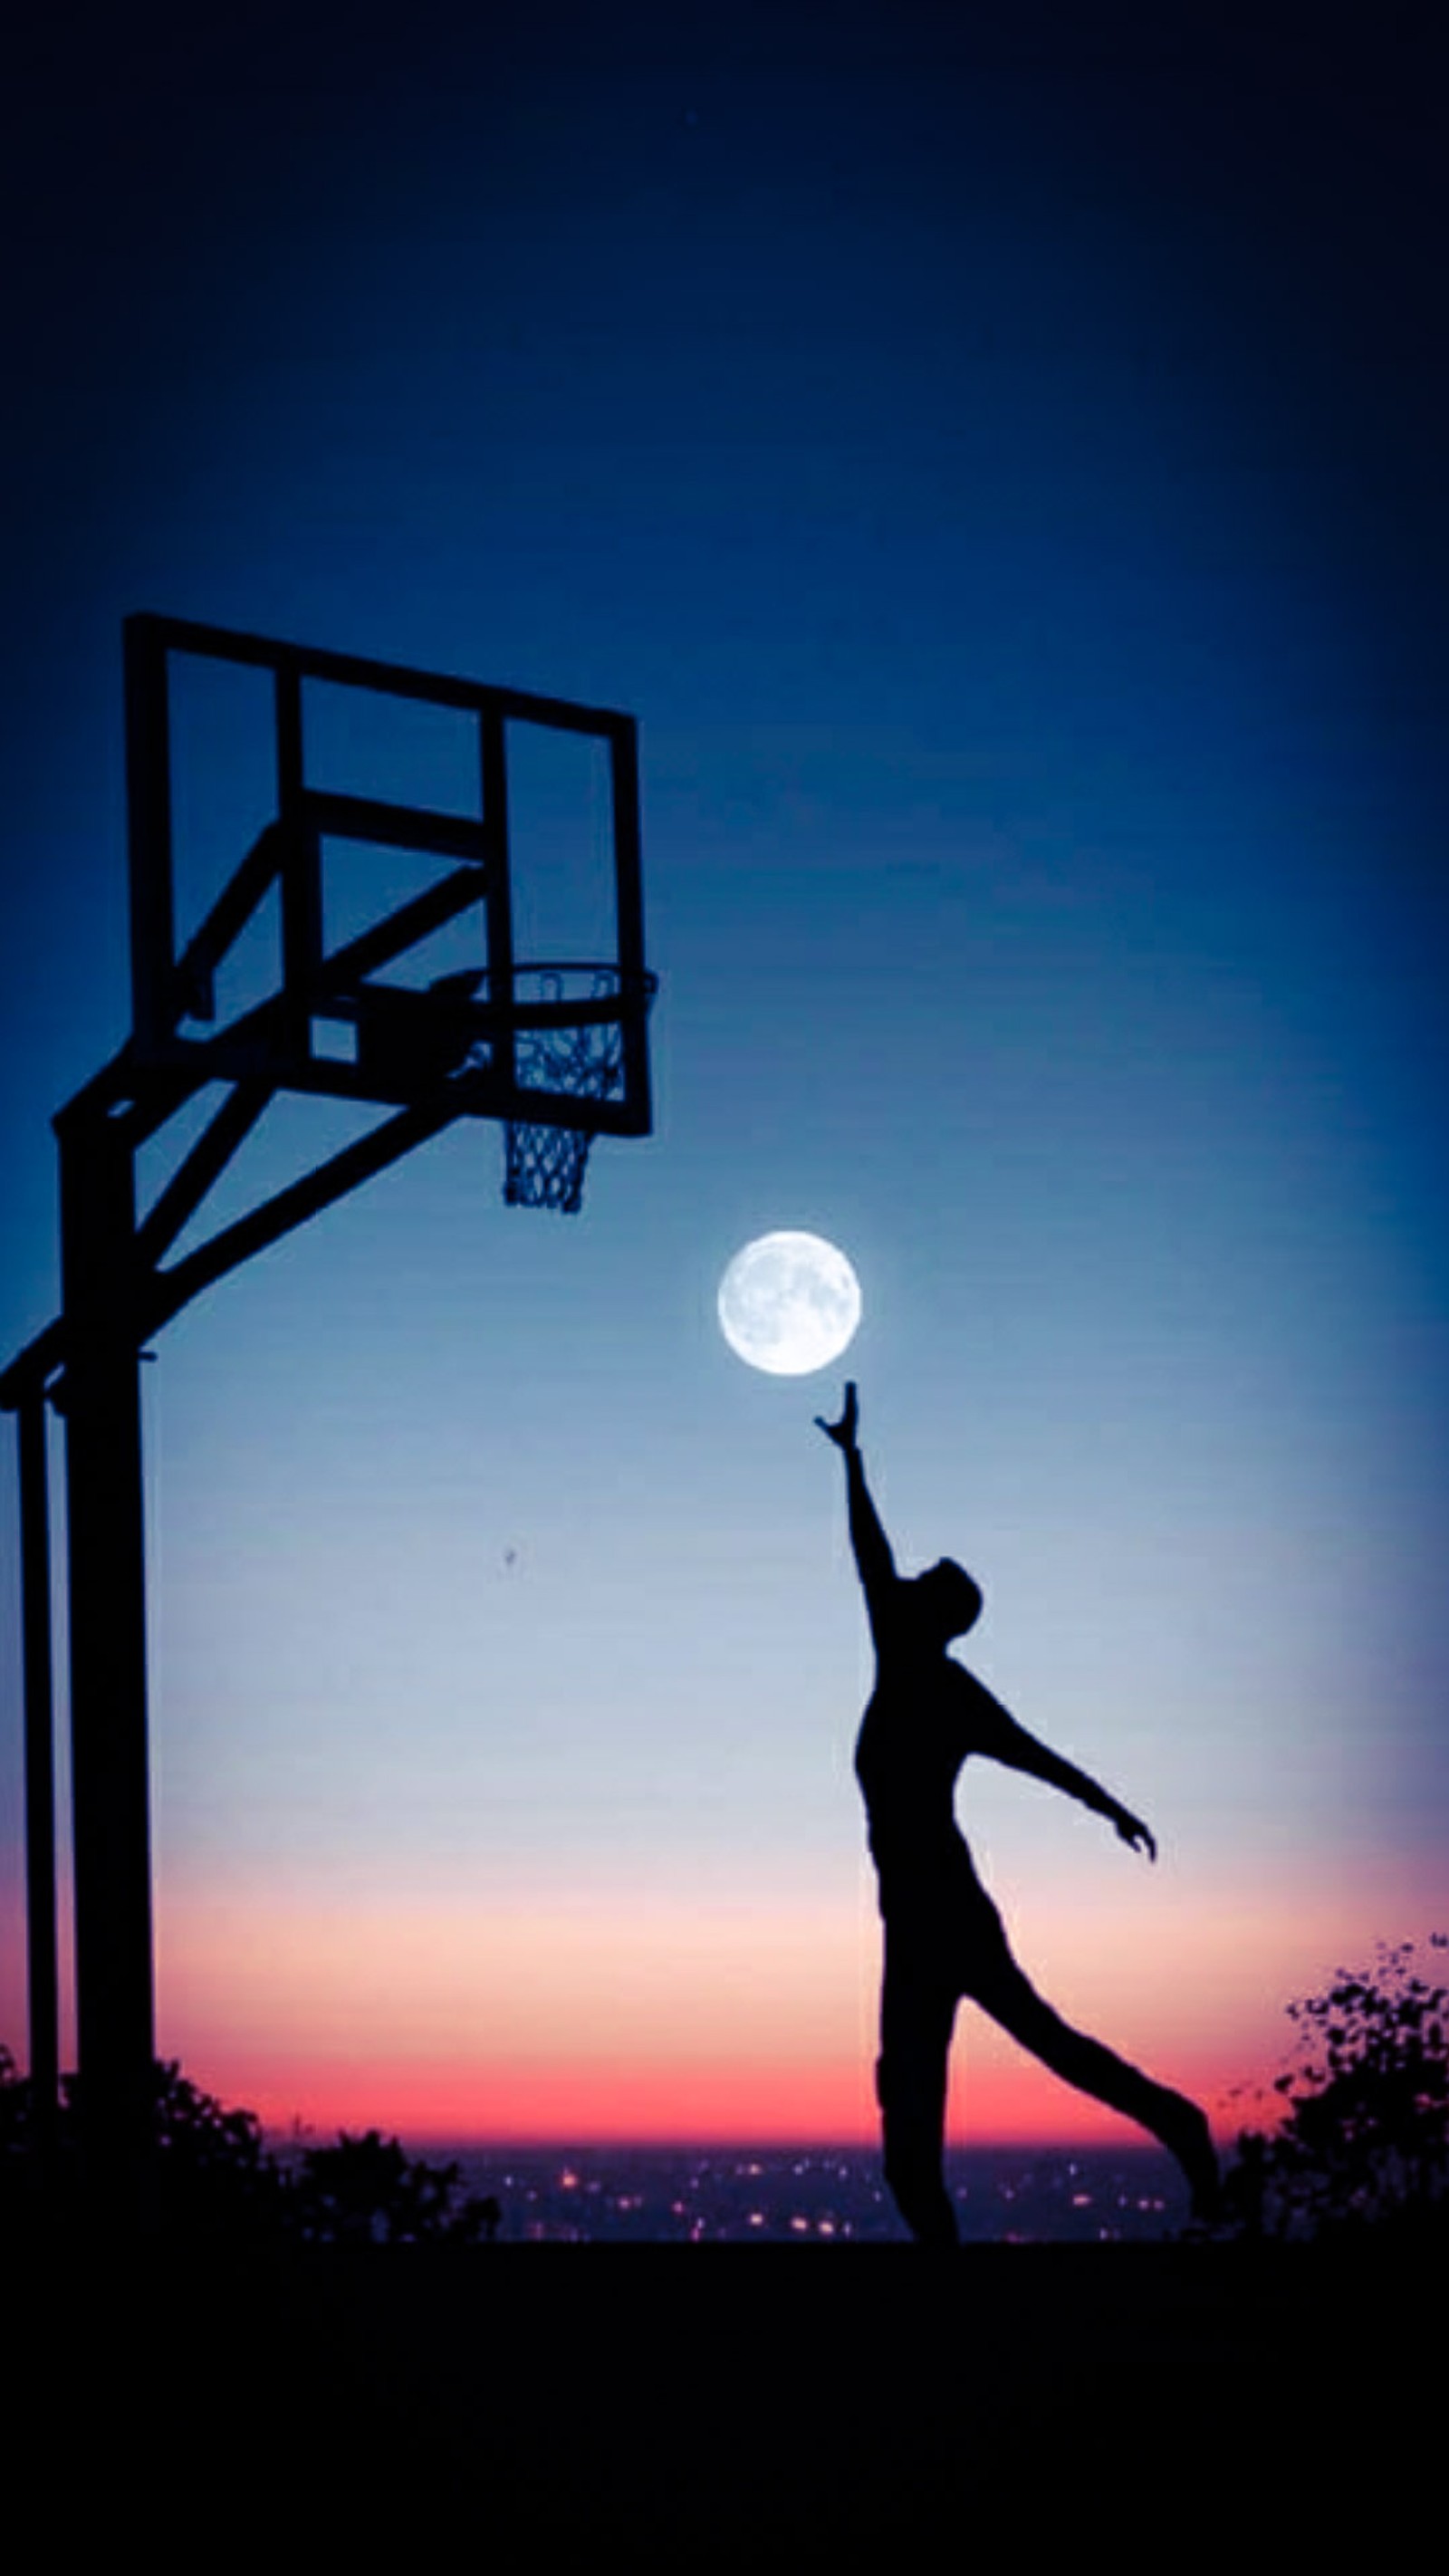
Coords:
pixel 356 879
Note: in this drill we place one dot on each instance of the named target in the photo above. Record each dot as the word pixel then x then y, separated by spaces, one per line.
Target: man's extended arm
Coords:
pixel 1012 1745
pixel 874 1562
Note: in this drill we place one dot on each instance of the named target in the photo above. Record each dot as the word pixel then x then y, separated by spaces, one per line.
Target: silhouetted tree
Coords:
pixel 14 2114
pixel 1364 2140
pixel 38 2164
pixel 366 2191
pixel 216 2176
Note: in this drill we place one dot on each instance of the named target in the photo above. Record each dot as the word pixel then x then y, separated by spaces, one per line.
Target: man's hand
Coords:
pixel 1134 1833
pixel 843 1431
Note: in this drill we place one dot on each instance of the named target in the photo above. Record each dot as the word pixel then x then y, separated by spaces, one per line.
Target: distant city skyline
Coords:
pixel 813 2195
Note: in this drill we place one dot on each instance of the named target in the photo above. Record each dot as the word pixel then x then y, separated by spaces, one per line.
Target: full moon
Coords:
pixel 789 1303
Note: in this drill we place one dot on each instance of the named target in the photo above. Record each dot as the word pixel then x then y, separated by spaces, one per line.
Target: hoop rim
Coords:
pixel 632 994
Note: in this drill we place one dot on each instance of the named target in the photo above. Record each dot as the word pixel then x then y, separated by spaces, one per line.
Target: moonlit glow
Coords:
pixel 789 1303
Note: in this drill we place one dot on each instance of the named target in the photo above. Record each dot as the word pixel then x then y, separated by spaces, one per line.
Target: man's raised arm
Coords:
pixel 873 1559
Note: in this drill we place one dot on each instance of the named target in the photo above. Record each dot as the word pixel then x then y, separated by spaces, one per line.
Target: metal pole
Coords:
pixel 497 896
pixel 105 1550
pixel 39 1776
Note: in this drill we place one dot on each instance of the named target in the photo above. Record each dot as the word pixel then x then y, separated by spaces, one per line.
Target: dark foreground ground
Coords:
pixel 711 2405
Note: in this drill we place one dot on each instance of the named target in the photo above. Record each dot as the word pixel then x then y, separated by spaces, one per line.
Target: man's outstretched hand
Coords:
pixel 843 1431
pixel 1134 1833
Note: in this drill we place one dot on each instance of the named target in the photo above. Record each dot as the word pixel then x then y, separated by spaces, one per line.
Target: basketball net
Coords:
pixel 544 1167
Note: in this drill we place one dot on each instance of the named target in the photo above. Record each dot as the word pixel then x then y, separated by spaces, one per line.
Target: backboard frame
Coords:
pixel 466 1037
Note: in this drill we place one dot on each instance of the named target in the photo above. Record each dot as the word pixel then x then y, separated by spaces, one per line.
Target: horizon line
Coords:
pixel 306 2132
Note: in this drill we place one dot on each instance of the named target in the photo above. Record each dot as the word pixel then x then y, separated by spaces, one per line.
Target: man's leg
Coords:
pixel 918 2011
pixel 1011 1999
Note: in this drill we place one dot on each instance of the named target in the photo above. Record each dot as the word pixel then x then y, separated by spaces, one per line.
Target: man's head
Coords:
pixel 948 1601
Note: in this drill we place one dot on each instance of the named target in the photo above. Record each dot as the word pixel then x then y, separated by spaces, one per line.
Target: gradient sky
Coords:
pixel 998 471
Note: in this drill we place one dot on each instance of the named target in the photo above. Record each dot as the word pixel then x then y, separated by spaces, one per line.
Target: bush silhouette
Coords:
pixel 366 2191
pixel 216 2177
pixel 15 2132
pixel 1364 2140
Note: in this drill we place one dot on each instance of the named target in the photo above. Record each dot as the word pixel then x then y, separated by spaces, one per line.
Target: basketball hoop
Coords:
pixel 544 1166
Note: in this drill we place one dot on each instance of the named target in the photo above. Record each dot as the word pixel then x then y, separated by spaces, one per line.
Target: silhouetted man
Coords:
pixel 943 1936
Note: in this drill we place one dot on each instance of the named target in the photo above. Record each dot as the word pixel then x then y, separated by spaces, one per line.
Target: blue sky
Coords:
pixel 999 482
